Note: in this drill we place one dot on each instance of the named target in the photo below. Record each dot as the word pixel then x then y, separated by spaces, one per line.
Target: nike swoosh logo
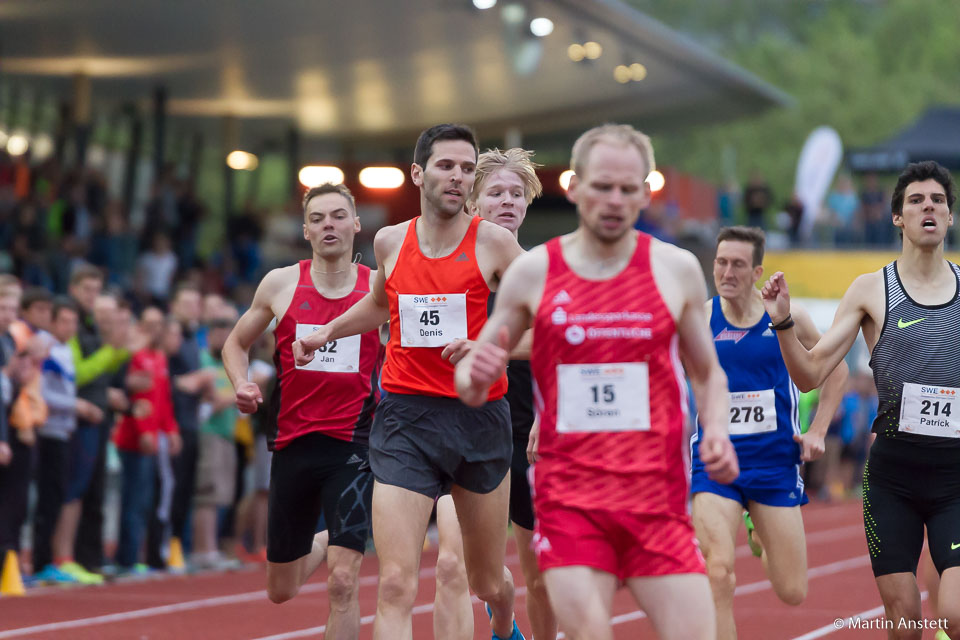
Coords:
pixel 903 325
pixel 954 547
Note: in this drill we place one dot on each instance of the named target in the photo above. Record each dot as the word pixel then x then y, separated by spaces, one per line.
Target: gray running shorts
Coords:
pixel 427 444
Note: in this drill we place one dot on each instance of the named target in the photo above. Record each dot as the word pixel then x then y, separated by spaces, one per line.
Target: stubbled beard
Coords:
pixel 438 205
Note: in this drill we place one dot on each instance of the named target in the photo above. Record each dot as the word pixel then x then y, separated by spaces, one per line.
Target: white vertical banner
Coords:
pixel 818 163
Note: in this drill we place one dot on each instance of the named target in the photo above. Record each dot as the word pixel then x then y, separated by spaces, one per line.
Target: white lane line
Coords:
pixel 753 587
pixel 423 608
pixel 817 537
pixel 848 622
pixel 190 605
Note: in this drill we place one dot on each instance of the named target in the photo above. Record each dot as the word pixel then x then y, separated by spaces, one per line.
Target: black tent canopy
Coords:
pixel 933 136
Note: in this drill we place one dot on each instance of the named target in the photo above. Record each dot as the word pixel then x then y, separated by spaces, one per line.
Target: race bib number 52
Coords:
pixel 603 397
pixel 930 411
pixel 432 320
pixel 338 356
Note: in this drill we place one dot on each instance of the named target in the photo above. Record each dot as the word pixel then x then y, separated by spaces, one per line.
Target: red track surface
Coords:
pixel 234 605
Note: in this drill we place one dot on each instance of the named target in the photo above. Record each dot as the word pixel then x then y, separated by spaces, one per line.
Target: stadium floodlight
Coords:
pixel 316 175
pixel 656 181
pixel 541 27
pixel 381 177
pixel 242 160
pixel 17 144
pixel 576 52
pixel 565 179
pixel 592 50
pixel 42 147
pixel 621 74
pixel 484 4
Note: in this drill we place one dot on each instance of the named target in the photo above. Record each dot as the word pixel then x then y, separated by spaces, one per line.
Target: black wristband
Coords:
pixel 786 323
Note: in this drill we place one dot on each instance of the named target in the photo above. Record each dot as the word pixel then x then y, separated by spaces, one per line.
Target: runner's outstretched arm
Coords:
pixel 707 378
pixel 810 368
pixel 369 312
pixel 511 316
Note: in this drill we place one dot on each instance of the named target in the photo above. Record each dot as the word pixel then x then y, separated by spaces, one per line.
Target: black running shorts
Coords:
pixel 902 492
pixel 427 444
pixel 521 498
pixel 316 472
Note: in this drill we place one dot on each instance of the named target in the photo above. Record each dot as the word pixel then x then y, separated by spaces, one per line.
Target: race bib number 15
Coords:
pixel 930 411
pixel 603 397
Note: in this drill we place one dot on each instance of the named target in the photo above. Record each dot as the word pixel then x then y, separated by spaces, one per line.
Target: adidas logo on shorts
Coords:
pixel 354 459
pixel 562 297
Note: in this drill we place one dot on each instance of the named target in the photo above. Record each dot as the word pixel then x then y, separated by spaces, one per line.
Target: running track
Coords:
pixel 234 605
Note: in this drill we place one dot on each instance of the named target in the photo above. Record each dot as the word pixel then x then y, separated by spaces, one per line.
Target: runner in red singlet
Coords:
pixel 436 274
pixel 321 412
pixel 612 312
pixel 506 184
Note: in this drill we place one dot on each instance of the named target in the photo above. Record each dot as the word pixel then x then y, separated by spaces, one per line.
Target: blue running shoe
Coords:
pixel 516 635
pixel 52 575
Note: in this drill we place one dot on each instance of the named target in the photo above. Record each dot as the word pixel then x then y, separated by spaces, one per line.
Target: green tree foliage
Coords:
pixel 867 69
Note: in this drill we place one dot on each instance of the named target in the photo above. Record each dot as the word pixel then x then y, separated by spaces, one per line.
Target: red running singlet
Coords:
pixel 610 391
pixel 433 301
pixel 337 392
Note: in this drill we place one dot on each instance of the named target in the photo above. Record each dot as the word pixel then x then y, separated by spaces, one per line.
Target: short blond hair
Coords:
pixel 623 134
pixel 518 160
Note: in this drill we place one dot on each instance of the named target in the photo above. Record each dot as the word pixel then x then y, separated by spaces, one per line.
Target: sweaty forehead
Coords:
pixel 327 203
pixel 926 187
pixel 458 151
pixel 612 157
pixel 503 178
pixel 733 249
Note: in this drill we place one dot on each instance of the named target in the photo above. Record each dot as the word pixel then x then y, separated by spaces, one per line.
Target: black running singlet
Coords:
pixel 916 367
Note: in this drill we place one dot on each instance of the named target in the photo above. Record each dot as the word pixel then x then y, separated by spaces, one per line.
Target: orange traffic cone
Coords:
pixel 11 584
pixel 175 563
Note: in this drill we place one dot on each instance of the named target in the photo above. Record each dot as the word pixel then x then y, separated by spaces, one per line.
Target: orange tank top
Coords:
pixel 433 301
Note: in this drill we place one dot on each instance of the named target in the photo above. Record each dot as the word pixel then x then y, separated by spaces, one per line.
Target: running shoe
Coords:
pixel 755 547
pixel 80 574
pixel 50 574
pixel 516 635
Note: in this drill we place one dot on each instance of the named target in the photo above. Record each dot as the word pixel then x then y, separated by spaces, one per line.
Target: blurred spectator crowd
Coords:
pixel 82 370
pixel 852 215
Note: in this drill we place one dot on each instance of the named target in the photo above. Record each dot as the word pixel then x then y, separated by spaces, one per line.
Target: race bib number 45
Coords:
pixel 753 412
pixel 432 320
pixel 930 411
pixel 338 356
pixel 603 397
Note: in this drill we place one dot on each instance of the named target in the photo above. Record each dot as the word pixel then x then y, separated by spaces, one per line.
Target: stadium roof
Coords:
pixel 356 69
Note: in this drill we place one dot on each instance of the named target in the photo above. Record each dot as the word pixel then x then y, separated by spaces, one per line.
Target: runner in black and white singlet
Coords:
pixel 909 313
